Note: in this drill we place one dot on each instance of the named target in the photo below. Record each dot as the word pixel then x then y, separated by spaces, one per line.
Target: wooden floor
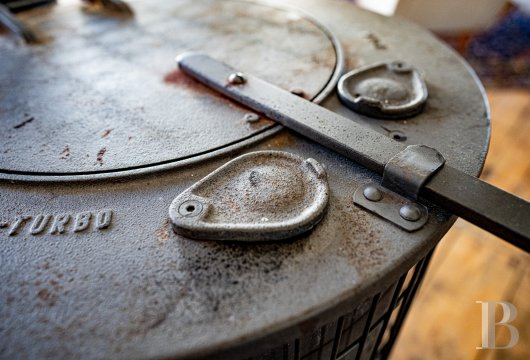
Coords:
pixel 471 265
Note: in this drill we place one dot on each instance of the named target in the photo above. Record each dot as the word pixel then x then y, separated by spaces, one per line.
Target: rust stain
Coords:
pixel 56 285
pixel 66 152
pixel 46 296
pixel 162 233
pixel 351 55
pixel 100 155
pixel 181 80
pixel 177 77
pixel 376 42
pixel 106 133
pixel 282 140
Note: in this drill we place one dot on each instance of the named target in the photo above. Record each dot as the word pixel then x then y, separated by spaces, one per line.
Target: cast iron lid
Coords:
pixel 134 288
pixel 103 94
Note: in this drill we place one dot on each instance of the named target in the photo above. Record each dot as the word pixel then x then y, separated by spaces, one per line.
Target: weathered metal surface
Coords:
pixel 270 195
pixel 137 290
pixel 397 209
pixel 11 23
pixel 103 94
pixel 336 132
pixel 408 171
pixel 393 90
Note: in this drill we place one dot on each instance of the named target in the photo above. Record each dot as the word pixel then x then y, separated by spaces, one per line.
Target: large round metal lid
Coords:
pixel 103 94
pixel 128 286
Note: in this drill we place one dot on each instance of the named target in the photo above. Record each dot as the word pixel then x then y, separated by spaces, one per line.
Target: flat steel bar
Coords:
pixel 367 147
pixel 501 213
pixel 494 210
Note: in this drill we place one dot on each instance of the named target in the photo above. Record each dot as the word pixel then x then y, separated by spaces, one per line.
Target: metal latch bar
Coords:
pixel 367 147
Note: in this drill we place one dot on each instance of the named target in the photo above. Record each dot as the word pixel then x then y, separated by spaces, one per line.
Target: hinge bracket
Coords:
pixel 403 177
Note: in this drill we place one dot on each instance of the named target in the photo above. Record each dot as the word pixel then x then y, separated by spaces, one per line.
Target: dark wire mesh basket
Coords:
pixel 368 331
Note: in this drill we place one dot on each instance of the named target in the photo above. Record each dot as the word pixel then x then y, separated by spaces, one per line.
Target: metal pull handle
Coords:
pixel 494 210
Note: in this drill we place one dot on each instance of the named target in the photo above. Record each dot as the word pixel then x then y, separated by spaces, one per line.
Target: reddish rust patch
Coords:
pixel 177 77
pixel 181 80
pixel 375 41
pixel 47 296
pixel 56 285
pixel 106 132
pixel 282 140
pixel 162 233
pixel 101 153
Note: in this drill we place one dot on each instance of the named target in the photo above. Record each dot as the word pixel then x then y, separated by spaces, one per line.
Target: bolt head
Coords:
pixel 410 212
pixel 236 78
pixel 372 193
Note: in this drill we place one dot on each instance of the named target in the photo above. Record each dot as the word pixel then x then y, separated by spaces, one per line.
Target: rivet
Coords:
pixel 410 212
pixel 237 78
pixel 372 193
pixel 251 117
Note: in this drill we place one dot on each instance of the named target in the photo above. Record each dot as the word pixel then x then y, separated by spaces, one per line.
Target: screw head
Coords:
pixel 190 208
pixel 372 193
pixel 410 212
pixel 252 118
pixel 237 78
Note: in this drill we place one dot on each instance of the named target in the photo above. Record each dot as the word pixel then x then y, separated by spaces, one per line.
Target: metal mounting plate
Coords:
pixel 389 207
pixel 391 90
